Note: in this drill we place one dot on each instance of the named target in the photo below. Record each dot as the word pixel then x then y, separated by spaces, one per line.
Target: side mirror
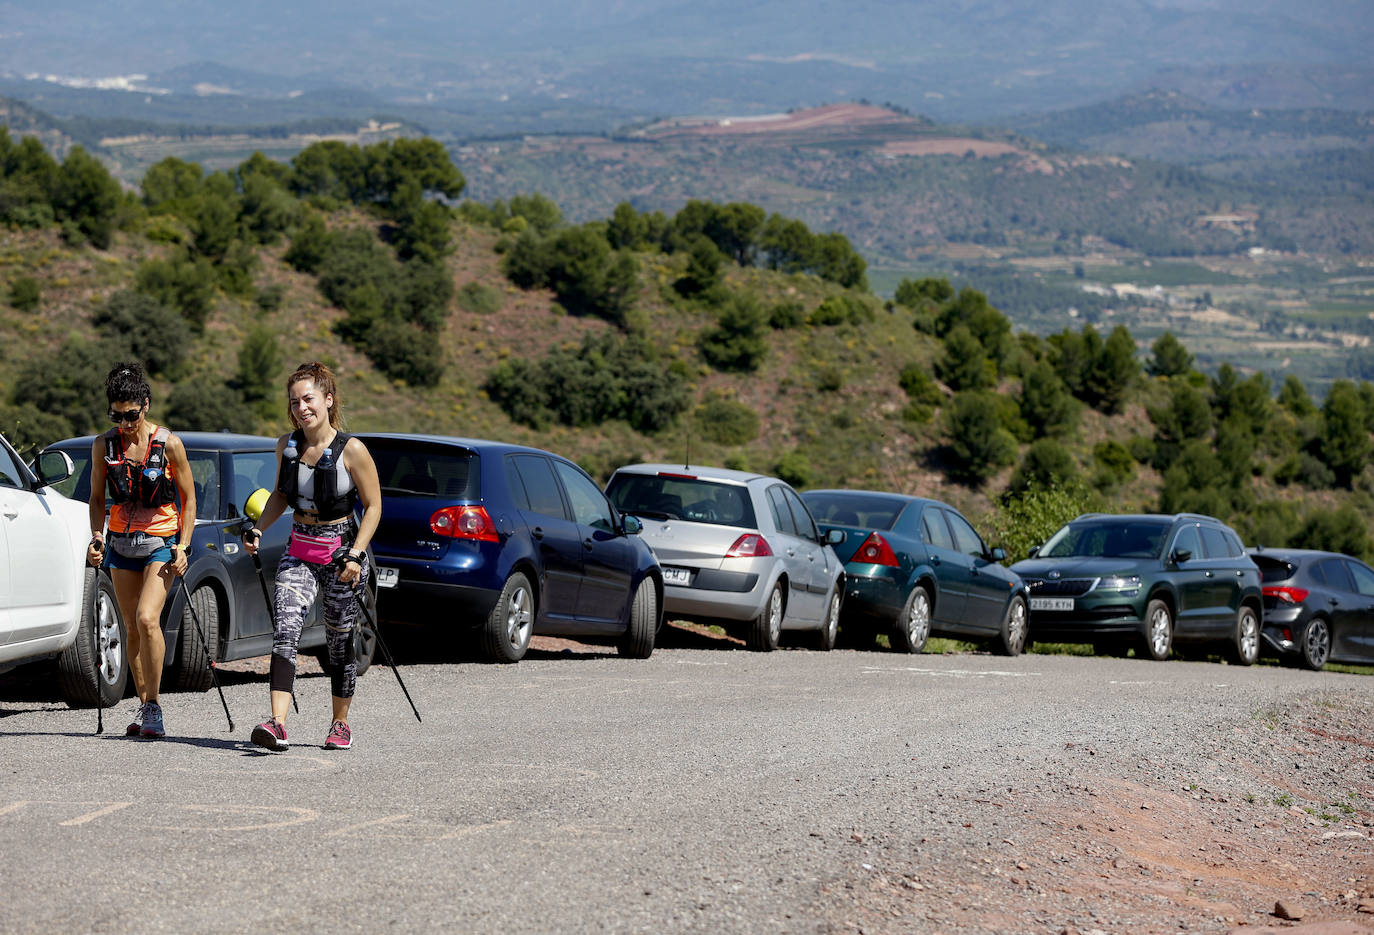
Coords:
pixel 256 503
pixel 1181 555
pixel 833 536
pixel 998 554
pixel 1034 551
pixel 53 466
pixel 631 525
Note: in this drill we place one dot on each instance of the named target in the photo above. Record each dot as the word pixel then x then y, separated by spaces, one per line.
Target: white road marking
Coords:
pixel 368 824
pixel 92 816
pixel 953 673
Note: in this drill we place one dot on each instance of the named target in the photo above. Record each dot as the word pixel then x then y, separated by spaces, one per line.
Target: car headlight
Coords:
pixel 1118 582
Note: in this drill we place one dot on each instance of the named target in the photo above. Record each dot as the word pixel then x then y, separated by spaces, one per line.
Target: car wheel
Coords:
pixel 364 647
pixel 506 635
pixel 765 629
pixel 913 623
pixel 1159 630
pixel 97 663
pixel 1245 650
pixel 830 630
pixel 192 670
pixel 1316 644
pixel 1012 640
pixel 638 641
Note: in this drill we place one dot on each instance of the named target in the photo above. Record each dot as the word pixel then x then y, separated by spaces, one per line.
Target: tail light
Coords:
pixel 464 522
pixel 1287 595
pixel 749 545
pixel 875 551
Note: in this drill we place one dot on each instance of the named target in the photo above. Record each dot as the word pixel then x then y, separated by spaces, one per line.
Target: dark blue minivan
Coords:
pixel 505 541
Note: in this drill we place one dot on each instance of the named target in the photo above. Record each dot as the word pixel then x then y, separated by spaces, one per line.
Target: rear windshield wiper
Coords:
pixel 417 493
pixel 650 514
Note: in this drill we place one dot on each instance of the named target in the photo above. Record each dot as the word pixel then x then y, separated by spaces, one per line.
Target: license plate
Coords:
pixel 1051 603
pixel 388 577
pixel 681 576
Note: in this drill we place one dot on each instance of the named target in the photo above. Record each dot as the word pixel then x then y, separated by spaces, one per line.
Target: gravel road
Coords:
pixel 709 789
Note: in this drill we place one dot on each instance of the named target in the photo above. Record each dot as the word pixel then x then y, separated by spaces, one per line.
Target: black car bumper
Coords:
pixel 426 602
pixel 1108 621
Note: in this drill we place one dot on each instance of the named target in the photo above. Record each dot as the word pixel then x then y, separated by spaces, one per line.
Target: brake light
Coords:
pixel 678 476
pixel 749 545
pixel 464 522
pixel 1287 595
pixel 875 551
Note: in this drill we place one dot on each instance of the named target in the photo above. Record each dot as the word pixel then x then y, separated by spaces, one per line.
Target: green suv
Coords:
pixel 1144 581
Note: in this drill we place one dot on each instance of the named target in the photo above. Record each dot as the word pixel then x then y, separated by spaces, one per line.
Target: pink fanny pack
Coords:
pixel 318 550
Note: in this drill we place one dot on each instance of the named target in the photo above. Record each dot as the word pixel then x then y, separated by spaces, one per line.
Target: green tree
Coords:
pixel 627 229
pixel 1046 404
pixel 1046 464
pixel 977 439
pixel 1345 436
pixel 1294 397
pixel 726 421
pixel 25 295
pixel 1335 530
pixel 739 341
pixel 69 381
pixel 171 185
pixel 965 364
pixel 87 196
pixel 1112 373
pixel 181 283
pixel 259 365
pixel 1188 417
pixel 539 212
pixel 1168 357
pixel 1027 520
pixel 704 275
pixel 209 406
pixel 145 329
pixel 918 292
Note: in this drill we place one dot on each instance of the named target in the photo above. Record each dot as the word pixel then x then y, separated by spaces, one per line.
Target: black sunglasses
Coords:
pixel 128 415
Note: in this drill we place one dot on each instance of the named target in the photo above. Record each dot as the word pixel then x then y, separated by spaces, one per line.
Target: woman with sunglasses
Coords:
pixel 144 469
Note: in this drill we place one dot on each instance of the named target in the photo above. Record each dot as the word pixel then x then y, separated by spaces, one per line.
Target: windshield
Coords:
pixel 847 509
pixel 676 496
pixel 415 468
pixel 1110 538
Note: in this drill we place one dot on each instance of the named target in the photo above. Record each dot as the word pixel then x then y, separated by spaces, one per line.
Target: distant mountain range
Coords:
pixel 952 59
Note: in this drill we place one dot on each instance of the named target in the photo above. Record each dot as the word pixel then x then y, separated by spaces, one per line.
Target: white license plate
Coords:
pixel 1051 603
pixel 681 576
pixel 388 577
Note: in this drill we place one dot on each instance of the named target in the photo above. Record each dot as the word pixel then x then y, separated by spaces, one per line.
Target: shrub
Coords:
pixel 1029 518
pixel 199 406
pixel 404 351
pixel 794 468
pixel 727 422
pixel 24 293
pixel 842 309
pixel 480 299
pixel 920 386
pixel 181 283
pixel 70 381
pixel 1046 464
pixel 270 297
pixel 1114 463
pixel 978 441
pixel 786 315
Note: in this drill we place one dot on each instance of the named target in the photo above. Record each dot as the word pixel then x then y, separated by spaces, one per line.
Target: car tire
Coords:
pixel 825 637
pixel 1159 630
pixel 638 641
pixel 506 633
pixel 96 665
pixel 192 670
pixel 1245 646
pixel 1011 641
pixel 912 628
pixel 765 629
pixel 1315 646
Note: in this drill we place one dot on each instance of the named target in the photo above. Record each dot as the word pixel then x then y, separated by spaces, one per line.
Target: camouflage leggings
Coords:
pixel 298 584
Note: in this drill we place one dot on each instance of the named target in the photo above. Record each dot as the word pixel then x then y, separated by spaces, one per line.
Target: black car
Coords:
pixel 1318 606
pixel 497 542
pixel 223 582
pixel 1145 581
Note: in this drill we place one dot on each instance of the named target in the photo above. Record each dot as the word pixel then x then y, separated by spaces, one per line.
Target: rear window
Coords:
pixel 420 469
pixel 1274 569
pixel 674 496
pixel 847 509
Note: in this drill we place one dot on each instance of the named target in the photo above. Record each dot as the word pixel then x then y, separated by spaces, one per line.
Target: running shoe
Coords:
pixel 136 725
pixel 271 734
pixel 340 737
pixel 152 721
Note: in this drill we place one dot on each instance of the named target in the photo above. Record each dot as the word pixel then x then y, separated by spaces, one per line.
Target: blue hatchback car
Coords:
pixel 915 567
pixel 506 541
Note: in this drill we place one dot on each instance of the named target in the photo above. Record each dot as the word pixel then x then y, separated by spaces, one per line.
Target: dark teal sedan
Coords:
pixel 916 567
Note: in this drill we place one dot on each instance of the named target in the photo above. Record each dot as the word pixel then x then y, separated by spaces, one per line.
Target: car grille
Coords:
pixel 1064 587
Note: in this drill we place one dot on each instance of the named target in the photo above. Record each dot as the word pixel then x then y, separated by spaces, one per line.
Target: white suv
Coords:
pixel 52 604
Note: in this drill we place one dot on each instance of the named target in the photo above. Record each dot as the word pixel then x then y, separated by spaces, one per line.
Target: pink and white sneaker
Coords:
pixel 340 737
pixel 271 734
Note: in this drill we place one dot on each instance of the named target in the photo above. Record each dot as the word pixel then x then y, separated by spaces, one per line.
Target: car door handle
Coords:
pixel 791 553
pixel 810 556
pixel 1207 574
pixel 587 543
pixel 10 512
pixel 935 560
pixel 538 532
pixel 1335 603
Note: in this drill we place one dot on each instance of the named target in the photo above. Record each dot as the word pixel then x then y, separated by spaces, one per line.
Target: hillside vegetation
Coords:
pixel 717 334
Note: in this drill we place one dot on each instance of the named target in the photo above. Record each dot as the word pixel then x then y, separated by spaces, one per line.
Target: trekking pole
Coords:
pixel 209 657
pixel 340 557
pixel 97 657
